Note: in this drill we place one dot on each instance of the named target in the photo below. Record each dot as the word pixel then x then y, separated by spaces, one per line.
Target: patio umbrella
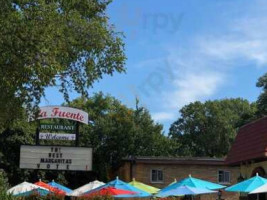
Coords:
pixel 144 187
pixel 194 182
pixel 86 188
pixel 111 191
pixel 26 189
pixel 50 188
pixel 124 186
pixel 261 189
pixel 185 190
pixel 60 187
pixel 249 185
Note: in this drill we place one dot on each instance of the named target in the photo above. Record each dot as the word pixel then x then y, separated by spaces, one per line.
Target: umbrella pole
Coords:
pixel 258 196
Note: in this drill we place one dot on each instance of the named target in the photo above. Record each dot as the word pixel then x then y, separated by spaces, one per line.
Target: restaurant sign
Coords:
pixel 57 127
pixel 57 136
pixel 51 112
pixel 56 158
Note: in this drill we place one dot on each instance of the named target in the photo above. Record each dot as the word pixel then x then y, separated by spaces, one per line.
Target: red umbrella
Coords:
pixel 50 188
pixel 110 191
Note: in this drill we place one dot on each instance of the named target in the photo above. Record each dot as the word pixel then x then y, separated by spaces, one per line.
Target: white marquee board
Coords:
pixel 56 158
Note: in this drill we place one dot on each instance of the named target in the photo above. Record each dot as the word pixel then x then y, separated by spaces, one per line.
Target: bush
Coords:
pixel 47 197
pixel 96 197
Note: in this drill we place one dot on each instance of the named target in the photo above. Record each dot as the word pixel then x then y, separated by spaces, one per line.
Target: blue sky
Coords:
pixel 180 51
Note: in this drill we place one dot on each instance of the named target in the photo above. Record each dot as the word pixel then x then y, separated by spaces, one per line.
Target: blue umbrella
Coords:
pixel 124 186
pixel 193 182
pixel 60 187
pixel 247 185
pixel 184 190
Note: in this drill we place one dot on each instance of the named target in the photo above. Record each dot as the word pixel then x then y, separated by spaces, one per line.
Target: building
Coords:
pixel 247 157
pixel 161 171
pixel 249 151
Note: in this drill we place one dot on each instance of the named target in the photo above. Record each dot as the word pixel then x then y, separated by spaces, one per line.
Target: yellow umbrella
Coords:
pixel 144 187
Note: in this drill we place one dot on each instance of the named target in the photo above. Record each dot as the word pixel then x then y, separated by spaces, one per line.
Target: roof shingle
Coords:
pixel 250 143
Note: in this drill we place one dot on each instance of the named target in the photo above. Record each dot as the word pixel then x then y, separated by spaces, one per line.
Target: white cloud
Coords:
pixel 163 116
pixel 193 87
pixel 246 39
pixel 230 49
pixel 202 66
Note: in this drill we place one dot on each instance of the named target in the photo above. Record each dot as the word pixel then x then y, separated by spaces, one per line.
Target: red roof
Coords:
pixel 250 143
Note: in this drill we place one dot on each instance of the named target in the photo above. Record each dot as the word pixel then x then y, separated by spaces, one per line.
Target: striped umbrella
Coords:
pixel 60 187
pixel 50 188
pixel 124 186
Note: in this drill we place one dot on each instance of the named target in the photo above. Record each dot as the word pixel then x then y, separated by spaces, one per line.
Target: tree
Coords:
pixel 262 99
pixel 116 132
pixel 209 129
pixel 69 44
pixel 21 132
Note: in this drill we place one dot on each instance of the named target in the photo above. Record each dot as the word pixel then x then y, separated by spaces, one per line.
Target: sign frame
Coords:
pixel 46 165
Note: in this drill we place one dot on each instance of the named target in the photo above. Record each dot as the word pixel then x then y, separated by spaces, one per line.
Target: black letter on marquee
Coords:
pixel 48 166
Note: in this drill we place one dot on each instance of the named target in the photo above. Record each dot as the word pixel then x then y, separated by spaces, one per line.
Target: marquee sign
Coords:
pixel 50 112
pixel 56 158
pixel 57 136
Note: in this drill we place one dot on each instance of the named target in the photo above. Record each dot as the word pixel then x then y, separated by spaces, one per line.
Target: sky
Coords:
pixel 181 51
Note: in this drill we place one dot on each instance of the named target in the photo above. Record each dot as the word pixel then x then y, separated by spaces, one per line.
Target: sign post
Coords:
pixel 77 135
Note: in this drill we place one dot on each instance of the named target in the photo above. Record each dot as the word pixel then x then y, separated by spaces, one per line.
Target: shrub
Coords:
pixel 96 197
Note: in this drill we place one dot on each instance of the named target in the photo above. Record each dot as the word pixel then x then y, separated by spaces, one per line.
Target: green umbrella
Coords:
pixel 142 186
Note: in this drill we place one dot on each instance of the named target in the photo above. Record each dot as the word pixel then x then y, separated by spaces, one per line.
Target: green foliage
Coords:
pixel 5 196
pixel 69 44
pixel 262 99
pixel 209 129
pixel 97 197
pixel 3 188
pixel 20 133
pixel 47 197
pixel 116 132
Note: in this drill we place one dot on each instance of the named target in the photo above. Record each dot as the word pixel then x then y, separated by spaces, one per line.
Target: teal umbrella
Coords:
pixel 195 183
pixel 247 185
pixel 184 190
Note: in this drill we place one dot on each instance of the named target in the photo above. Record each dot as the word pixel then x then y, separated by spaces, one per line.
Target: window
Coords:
pixel 223 176
pixel 156 176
